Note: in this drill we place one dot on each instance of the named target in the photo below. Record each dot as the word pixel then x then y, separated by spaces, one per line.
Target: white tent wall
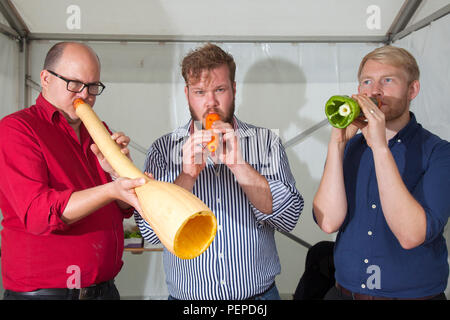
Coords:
pixel 431 47
pixel 9 86
pixel 9 76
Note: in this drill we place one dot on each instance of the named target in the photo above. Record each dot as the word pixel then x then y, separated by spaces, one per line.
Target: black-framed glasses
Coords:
pixel 95 88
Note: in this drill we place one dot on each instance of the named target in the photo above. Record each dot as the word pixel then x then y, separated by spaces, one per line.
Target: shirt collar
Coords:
pixel 243 129
pixel 50 111
pixel 408 130
pixel 405 133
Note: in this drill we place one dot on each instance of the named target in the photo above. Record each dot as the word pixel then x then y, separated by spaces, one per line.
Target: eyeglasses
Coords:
pixel 95 88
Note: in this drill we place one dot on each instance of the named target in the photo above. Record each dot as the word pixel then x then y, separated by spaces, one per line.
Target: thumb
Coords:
pixel 96 151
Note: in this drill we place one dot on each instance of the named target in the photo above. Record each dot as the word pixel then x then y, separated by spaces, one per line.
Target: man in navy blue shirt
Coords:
pixel 386 190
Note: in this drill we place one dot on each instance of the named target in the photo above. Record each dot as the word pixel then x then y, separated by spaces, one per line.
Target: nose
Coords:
pixel 84 94
pixel 211 99
pixel 376 90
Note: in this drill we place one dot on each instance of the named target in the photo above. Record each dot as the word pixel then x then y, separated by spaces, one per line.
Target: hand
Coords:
pixel 230 152
pixel 341 136
pixel 195 153
pixel 374 129
pixel 122 140
pixel 123 190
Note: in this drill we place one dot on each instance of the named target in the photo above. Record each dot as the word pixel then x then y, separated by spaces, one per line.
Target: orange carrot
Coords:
pixel 214 143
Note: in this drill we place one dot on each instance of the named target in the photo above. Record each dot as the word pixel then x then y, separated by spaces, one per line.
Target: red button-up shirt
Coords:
pixel 42 163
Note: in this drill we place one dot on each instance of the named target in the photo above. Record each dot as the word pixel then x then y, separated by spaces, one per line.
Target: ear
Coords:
pixel 413 90
pixel 186 92
pixel 234 89
pixel 44 78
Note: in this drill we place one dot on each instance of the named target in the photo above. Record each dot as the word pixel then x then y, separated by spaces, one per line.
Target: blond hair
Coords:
pixel 394 56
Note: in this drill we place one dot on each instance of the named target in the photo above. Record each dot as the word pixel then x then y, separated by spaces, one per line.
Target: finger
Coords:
pixel 219 124
pixel 120 138
pixel 366 105
pixel 127 183
pixel 228 134
pixel 201 136
pixel 359 123
pixel 148 174
pixel 96 151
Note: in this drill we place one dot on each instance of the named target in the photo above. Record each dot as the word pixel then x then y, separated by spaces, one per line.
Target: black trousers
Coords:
pixel 108 292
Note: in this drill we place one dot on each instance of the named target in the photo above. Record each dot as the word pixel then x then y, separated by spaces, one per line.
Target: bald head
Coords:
pixel 55 53
pixel 69 61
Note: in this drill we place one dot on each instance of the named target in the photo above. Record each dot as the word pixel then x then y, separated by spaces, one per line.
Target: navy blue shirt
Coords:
pixel 368 257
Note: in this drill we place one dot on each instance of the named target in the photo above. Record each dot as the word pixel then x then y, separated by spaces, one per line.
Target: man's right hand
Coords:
pixel 342 136
pixel 195 153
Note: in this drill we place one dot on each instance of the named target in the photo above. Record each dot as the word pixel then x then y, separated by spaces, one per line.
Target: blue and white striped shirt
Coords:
pixel 242 261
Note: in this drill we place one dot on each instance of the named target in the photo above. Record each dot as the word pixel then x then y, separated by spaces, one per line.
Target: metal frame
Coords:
pixel 206 38
pixel 403 17
pixel 422 23
pixel 19 32
pixel 13 17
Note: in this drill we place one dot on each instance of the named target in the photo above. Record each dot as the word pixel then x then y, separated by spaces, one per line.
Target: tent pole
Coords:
pixel 219 39
pixel 403 17
pixel 422 23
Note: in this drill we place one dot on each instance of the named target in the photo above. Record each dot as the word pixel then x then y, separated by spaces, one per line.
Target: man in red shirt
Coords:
pixel 62 234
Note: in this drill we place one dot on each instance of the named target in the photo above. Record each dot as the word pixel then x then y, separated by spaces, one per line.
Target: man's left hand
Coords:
pixel 374 130
pixel 122 140
pixel 230 151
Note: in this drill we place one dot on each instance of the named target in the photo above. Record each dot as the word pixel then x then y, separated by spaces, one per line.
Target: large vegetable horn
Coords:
pixel 183 223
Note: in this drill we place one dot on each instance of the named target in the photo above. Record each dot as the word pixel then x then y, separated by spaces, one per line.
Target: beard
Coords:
pixel 225 117
pixel 394 108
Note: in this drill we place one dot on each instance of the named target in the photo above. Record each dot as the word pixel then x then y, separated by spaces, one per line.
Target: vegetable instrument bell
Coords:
pixel 183 223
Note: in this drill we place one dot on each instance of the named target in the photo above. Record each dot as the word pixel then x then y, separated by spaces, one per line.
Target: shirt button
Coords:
pixel 219 228
pixel 369 233
pixel 366 261
pixel 218 200
pixel 221 255
pixel 222 282
pixel 363 286
pixel 399 140
pixel 374 206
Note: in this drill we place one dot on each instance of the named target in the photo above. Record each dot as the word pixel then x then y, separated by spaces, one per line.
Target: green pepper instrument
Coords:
pixel 342 110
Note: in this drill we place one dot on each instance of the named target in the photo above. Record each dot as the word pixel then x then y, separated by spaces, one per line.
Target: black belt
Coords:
pixel 360 296
pixel 92 292
pixel 262 293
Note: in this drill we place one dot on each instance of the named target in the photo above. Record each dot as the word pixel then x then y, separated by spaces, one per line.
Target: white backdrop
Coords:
pixel 281 86
pixel 9 87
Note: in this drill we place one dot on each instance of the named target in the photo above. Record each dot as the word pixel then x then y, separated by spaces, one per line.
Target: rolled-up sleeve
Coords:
pixel 24 182
pixel 287 202
pixel 432 191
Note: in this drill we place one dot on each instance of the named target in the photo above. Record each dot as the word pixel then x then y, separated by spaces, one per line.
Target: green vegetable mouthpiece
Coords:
pixel 341 111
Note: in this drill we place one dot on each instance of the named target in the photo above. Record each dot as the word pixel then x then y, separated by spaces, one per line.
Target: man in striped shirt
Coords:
pixel 246 182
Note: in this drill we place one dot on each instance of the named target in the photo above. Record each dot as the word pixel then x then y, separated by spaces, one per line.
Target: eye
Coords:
pixel 366 82
pixel 388 80
pixel 220 90
pixel 199 92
